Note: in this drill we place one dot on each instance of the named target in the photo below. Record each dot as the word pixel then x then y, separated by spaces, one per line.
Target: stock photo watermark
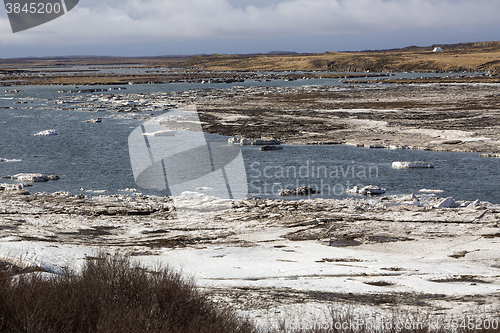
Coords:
pixel 24 15
pixel 379 325
pixel 172 154
pixel 327 179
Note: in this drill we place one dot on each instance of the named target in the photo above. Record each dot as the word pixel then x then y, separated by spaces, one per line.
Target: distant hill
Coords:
pixel 471 57
pixel 281 52
pixel 446 47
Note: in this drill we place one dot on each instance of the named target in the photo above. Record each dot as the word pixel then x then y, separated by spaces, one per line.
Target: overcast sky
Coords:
pixel 171 27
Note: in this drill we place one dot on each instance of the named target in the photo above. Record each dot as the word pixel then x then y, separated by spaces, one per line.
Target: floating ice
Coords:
pixel 7 160
pixel 47 132
pixel 424 190
pixel 184 162
pixel 414 164
pixel 161 133
pixel 32 177
pixel 367 190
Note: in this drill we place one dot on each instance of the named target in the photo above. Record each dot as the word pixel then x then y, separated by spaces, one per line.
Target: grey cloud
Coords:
pixel 162 20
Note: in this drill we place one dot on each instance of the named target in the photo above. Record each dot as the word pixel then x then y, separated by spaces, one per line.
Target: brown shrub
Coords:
pixel 111 295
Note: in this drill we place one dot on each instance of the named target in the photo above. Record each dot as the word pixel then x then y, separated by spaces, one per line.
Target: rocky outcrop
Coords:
pixel 80 205
pixel 13 187
pixel 268 148
pixel 253 142
pixel 304 190
pixel 414 164
pixel 47 133
pixel 367 190
pixel 32 177
pixel 324 143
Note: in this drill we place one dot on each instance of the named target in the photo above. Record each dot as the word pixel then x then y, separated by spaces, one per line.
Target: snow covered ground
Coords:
pixel 276 259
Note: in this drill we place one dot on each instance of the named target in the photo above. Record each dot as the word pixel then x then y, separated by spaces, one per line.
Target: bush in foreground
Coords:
pixel 111 295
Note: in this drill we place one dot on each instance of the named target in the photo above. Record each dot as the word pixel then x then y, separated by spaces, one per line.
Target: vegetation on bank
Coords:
pixel 472 57
pixel 111 294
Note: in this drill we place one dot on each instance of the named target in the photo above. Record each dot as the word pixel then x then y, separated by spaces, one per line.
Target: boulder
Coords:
pixel 47 132
pixel 414 164
pixel 447 203
pixel 367 190
pixel 304 190
pixel 268 148
pixel 32 177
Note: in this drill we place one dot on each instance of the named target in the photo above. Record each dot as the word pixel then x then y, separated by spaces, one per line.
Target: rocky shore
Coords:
pixel 438 117
pixel 376 253
pixel 363 251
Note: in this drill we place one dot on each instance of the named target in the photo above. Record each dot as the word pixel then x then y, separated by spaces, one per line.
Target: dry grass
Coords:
pixel 111 295
pixel 463 57
pixel 483 56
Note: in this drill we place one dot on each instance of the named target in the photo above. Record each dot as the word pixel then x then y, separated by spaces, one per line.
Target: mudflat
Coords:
pixel 445 117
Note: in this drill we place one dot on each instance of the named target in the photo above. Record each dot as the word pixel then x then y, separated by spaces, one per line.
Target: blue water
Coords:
pixel 96 156
pixel 333 169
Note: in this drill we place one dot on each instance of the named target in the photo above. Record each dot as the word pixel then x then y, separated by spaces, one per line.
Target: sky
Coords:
pixel 174 27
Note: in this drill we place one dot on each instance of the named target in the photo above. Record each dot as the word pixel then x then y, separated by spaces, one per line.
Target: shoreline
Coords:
pixel 31 78
pixel 474 57
pixel 435 117
pixel 288 256
pixel 270 258
pixel 429 117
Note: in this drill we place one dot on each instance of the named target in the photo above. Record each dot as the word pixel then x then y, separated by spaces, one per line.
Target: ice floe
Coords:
pixel 9 160
pixel 47 133
pixel 414 164
pixel 32 177
pixel 424 190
